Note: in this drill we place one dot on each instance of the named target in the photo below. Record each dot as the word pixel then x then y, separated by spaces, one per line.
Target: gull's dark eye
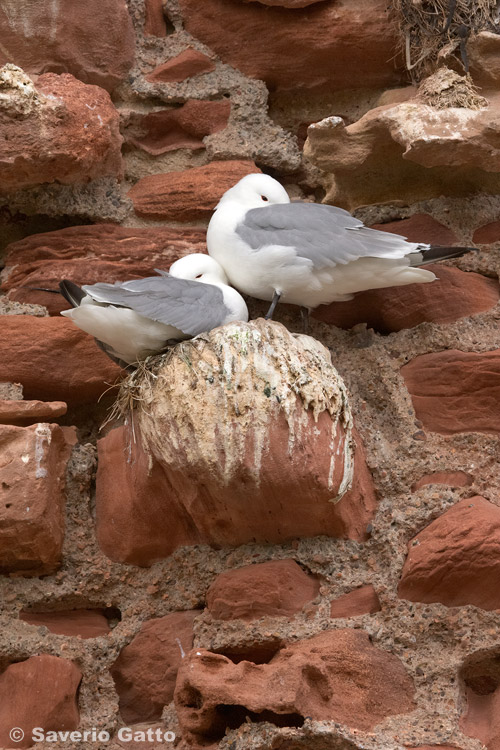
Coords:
pixel 264 198
pixel 199 276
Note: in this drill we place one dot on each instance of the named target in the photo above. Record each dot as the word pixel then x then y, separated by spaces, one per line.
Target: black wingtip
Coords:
pixel 439 252
pixel 71 292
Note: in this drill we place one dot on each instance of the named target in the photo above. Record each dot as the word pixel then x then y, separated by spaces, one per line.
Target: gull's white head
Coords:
pixel 255 191
pixel 198 267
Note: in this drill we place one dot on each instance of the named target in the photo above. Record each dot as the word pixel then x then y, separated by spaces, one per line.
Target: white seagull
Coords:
pixel 133 319
pixel 308 254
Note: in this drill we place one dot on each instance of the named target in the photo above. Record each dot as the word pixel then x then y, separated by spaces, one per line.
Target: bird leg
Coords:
pixel 270 312
pixel 304 314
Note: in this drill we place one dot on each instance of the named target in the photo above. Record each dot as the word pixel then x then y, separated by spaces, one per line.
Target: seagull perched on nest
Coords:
pixel 133 319
pixel 306 253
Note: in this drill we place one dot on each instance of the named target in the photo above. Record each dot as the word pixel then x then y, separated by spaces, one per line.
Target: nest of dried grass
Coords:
pixel 137 388
pixel 430 28
pixel 448 89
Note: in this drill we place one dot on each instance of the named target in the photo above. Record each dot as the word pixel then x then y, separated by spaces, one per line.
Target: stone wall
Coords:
pixel 134 594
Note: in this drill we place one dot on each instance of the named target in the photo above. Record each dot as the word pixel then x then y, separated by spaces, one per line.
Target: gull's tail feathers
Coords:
pixel 435 253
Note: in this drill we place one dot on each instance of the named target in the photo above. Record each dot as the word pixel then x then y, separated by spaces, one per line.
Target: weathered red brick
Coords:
pixel 271 589
pixel 32 473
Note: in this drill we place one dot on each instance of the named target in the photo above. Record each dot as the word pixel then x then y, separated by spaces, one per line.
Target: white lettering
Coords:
pixel 37 734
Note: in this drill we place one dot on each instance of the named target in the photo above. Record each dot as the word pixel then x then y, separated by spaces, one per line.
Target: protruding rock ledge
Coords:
pixel 249 436
pixel 60 129
pixel 411 150
pixel 337 676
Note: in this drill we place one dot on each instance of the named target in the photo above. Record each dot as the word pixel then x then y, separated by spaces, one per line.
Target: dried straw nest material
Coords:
pixel 448 89
pixel 429 28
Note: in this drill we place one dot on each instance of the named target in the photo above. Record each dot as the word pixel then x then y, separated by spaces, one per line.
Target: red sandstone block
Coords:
pixel 487 234
pixel 454 391
pixel 39 692
pixel 454 295
pixel 69 135
pixel 28 412
pixel 456 559
pixel 189 63
pixel 53 359
pixel 146 670
pixel 334 46
pixel 154 23
pixel 337 675
pixel 450 478
pixel 183 127
pixel 362 601
pixel 272 589
pixel 93 40
pixel 88 254
pixel 188 195
pixel 420 228
pixel 32 474
pixel 84 623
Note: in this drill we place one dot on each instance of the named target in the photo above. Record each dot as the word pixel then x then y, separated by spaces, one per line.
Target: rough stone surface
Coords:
pixel 454 391
pixel 450 478
pixel 487 234
pixel 94 42
pixel 189 195
pixel 481 716
pixel 483 54
pixel 456 559
pixel 282 466
pixel 454 295
pixel 38 692
pixel 362 601
pixel 133 493
pixel 58 129
pixel 285 3
pixel 337 675
pixel 154 22
pixel 134 489
pixel 420 228
pixel 88 254
pixel 189 63
pixel 184 127
pixel 83 623
pixel 32 470
pixel 11 391
pixel 335 45
pixel 276 589
pixel 136 520
pixel 34 345
pixel 146 670
pixel 407 152
pixel 27 412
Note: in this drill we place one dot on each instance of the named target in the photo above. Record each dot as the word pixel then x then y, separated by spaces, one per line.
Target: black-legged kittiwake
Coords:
pixel 308 254
pixel 133 319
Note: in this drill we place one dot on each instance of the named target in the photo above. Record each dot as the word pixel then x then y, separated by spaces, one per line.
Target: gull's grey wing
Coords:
pixel 191 306
pixel 325 235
